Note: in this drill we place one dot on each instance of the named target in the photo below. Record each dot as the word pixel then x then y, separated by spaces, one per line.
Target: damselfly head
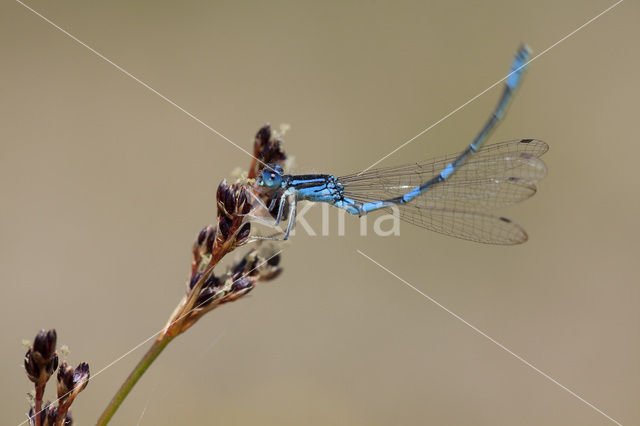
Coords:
pixel 271 177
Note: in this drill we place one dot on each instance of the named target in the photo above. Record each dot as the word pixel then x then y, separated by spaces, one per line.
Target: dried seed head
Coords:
pixel 233 205
pixel 81 376
pixel 201 236
pixel 269 264
pixel 212 282
pixel 194 279
pixel 65 380
pixel 42 414
pixel 226 199
pixel 242 283
pixel 45 343
pixel 205 239
pixel 201 253
pixel 49 414
pixel 205 297
pixel 263 135
pixel 244 232
pixel 72 381
pixel 41 359
pixel 267 149
pixel 225 226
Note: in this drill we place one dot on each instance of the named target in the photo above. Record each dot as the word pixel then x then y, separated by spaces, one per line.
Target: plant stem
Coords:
pixel 38 407
pixel 62 413
pixel 133 378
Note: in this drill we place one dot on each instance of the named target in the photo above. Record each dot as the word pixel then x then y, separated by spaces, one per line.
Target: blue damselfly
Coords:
pixel 451 195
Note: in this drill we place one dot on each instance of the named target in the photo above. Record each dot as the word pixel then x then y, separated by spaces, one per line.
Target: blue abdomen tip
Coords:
pixel 519 64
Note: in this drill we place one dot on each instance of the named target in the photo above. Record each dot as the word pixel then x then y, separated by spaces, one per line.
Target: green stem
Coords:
pixel 133 378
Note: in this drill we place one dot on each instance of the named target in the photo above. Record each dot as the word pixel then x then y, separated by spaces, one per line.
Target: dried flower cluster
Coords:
pixel 205 290
pixel 40 363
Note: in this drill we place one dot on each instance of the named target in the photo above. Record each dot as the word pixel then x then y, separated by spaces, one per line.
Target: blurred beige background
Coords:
pixel 105 185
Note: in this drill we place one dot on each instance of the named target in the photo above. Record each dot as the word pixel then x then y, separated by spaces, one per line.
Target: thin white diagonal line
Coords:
pixel 128 74
pixel 183 373
pixel 93 376
pixel 500 345
pixel 144 410
pixel 492 86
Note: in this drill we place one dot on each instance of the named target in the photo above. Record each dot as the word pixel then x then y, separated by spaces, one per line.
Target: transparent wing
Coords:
pixel 474 226
pixel 492 158
pixel 498 175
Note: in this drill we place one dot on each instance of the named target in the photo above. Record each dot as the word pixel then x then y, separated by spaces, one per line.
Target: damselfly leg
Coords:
pixel 282 200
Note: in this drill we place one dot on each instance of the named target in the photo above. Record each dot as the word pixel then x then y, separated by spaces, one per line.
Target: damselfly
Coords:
pixel 450 195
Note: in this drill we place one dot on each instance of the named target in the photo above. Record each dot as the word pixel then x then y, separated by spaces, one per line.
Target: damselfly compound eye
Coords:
pixel 270 178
